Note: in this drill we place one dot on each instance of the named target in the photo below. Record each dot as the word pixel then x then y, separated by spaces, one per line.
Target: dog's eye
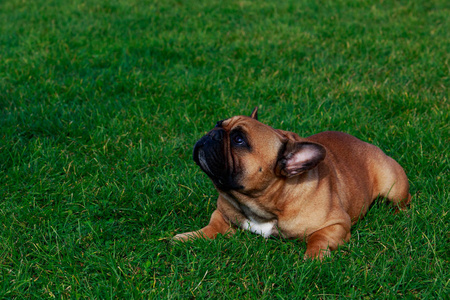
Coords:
pixel 238 139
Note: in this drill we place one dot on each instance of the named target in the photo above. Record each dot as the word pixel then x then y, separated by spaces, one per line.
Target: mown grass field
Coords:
pixel 101 103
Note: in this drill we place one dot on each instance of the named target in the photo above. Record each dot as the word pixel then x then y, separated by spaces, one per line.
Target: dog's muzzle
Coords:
pixel 209 154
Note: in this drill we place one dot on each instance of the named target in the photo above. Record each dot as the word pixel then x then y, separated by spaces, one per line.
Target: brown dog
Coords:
pixel 273 182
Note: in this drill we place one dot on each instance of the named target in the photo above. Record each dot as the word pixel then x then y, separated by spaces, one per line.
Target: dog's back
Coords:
pixel 360 164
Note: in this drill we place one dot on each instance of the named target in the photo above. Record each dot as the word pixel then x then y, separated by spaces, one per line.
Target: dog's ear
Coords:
pixel 298 157
pixel 254 114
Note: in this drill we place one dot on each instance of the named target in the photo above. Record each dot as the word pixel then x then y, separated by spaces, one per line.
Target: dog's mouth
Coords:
pixel 210 156
pixel 207 156
pixel 203 163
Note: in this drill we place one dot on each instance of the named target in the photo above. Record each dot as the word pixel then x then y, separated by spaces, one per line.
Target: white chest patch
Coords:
pixel 265 229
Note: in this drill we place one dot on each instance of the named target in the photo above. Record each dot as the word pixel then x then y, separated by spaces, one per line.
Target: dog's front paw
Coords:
pixel 316 253
pixel 183 237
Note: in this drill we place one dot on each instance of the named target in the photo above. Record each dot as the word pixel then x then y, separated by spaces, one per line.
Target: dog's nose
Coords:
pixel 217 134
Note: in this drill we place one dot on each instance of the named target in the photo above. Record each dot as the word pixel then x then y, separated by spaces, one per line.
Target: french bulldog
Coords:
pixel 276 183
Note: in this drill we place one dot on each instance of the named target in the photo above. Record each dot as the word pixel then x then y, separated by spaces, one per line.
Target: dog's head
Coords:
pixel 247 156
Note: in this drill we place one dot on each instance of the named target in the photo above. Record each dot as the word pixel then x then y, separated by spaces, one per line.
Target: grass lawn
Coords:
pixel 102 101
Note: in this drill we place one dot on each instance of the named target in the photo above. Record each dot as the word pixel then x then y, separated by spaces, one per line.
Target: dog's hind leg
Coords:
pixel 392 183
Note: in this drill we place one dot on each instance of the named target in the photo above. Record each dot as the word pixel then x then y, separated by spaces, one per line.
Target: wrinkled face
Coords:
pixel 239 154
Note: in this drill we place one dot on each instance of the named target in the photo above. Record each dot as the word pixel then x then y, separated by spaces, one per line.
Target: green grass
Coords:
pixel 102 101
